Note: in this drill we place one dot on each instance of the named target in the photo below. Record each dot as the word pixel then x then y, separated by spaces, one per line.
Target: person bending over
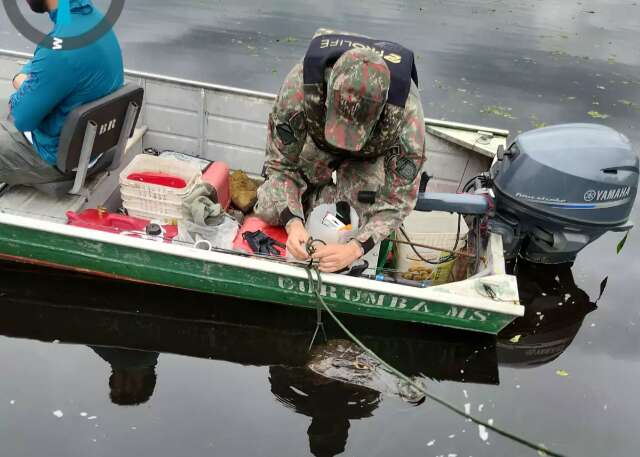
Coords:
pixel 351 107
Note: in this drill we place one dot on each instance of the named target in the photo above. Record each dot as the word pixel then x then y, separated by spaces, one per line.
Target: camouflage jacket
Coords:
pixel 294 164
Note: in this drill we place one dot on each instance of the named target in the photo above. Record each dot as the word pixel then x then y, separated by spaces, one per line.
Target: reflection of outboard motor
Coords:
pixel 560 188
pixel 554 311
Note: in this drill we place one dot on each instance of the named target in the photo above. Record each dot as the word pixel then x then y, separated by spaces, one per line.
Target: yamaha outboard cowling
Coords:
pixel 560 188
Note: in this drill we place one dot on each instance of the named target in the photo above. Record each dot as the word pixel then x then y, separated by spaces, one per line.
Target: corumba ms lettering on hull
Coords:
pixel 383 300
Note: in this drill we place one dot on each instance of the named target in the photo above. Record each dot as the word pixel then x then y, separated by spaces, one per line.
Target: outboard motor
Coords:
pixel 559 188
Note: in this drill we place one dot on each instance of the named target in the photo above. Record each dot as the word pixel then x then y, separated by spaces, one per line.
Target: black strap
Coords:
pixel 324 50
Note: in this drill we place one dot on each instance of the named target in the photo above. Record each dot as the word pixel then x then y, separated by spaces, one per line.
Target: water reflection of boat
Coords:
pixel 101 312
pixel 127 326
pixel 555 308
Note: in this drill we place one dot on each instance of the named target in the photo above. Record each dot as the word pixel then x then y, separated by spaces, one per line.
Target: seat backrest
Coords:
pixel 108 113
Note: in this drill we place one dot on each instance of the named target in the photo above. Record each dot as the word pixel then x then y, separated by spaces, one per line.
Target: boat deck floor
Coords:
pixel 27 201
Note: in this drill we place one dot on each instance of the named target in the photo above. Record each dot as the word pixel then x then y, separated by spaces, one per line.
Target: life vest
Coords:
pixel 323 52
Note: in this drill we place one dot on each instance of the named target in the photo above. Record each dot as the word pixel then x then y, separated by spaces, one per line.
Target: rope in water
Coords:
pixel 315 286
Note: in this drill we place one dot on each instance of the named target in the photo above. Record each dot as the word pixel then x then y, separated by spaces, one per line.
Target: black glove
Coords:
pixel 261 244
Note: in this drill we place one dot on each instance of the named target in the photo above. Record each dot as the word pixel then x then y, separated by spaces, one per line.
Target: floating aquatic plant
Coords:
pixel 621 243
pixel 498 110
pixel 597 115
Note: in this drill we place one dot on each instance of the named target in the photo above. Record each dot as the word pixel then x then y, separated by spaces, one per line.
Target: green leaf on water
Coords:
pixel 515 339
pixel 629 103
pixel 603 287
pixel 597 115
pixel 562 373
pixel 498 110
pixel 537 123
pixel 621 243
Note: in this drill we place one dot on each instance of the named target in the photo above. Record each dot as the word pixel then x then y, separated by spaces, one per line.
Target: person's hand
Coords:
pixel 297 239
pixel 335 257
pixel 18 80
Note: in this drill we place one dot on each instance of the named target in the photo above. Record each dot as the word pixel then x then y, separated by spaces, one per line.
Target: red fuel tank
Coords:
pixel 115 223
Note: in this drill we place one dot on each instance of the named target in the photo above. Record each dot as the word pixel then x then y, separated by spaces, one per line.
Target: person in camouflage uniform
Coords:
pixel 306 145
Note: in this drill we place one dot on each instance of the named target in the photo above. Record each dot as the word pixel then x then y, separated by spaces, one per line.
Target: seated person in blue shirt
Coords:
pixel 50 86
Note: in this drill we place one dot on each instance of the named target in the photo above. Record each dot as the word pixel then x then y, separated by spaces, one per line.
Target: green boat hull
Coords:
pixel 139 264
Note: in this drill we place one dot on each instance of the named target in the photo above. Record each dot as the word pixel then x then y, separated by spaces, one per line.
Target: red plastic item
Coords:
pixel 158 178
pixel 253 223
pixel 217 174
pixel 115 223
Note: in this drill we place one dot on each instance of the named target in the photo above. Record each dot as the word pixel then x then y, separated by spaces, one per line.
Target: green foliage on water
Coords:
pixel 498 110
pixel 621 243
pixel 597 115
pixel 536 123
pixel 289 39
pixel 629 103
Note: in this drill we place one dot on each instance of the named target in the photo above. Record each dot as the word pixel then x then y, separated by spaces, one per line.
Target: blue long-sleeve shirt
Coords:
pixel 61 80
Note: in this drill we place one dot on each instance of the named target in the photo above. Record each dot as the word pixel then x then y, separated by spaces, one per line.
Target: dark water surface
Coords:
pixel 226 378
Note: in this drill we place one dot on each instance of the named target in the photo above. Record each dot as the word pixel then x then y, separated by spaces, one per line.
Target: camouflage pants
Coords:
pixel 317 167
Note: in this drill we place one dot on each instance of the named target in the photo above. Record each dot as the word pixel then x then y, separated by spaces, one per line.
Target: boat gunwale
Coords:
pixel 265 266
pixel 258 94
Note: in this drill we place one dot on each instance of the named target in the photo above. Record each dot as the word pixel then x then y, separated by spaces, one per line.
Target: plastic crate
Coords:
pixel 154 201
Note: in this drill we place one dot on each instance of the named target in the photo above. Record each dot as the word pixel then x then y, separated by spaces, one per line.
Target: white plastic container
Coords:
pixel 330 235
pixel 320 229
pixel 434 228
pixel 153 201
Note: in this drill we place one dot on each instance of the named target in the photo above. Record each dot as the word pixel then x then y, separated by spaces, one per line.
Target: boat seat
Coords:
pixel 101 189
pixel 94 138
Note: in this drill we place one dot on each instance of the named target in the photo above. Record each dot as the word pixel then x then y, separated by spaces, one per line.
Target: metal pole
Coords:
pixel 85 157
